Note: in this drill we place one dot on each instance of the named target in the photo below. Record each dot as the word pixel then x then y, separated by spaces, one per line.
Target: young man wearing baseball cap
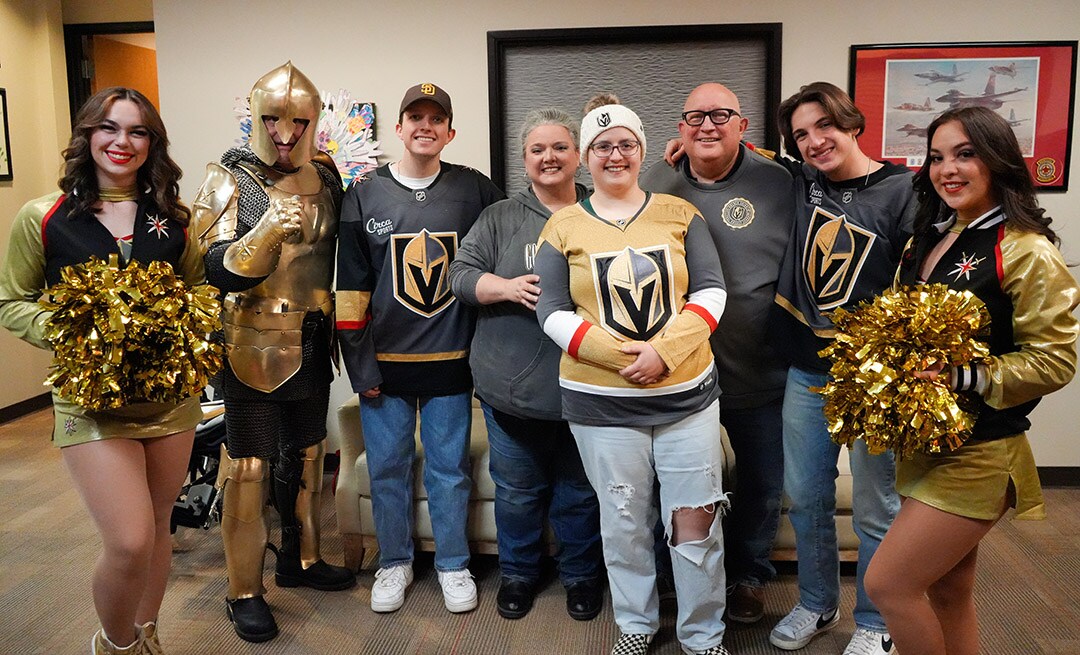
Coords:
pixel 405 340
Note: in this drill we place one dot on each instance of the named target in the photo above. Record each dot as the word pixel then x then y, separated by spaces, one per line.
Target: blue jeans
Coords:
pixel 389 439
pixel 623 464
pixel 810 473
pixel 757 436
pixel 537 470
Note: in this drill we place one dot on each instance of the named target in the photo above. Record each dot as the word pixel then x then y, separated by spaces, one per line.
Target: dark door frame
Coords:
pixel 79 67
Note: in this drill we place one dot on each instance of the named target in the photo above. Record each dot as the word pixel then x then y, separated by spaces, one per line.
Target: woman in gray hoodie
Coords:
pixel 534 461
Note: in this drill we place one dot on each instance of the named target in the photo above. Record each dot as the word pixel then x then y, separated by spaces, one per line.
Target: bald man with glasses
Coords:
pixel 748 202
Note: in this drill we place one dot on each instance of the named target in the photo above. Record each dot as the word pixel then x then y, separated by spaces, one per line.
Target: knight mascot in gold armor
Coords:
pixel 267 219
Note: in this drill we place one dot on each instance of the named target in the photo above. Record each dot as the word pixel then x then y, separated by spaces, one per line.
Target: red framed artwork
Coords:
pixel 901 88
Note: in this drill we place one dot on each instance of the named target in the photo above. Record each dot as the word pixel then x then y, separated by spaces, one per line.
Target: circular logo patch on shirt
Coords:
pixel 738 213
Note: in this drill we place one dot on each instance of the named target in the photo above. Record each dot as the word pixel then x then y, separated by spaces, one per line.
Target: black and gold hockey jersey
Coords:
pixel 652 277
pixel 845 247
pixel 401 329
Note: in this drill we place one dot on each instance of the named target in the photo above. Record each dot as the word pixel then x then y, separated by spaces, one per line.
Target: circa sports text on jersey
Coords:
pixel 833 255
pixel 634 291
pixel 421 264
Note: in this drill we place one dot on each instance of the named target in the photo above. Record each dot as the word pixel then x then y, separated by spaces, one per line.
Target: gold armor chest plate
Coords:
pixel 263 325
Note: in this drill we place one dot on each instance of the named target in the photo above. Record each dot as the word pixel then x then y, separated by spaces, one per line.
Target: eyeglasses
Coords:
pixel 604 149
pixel 717 116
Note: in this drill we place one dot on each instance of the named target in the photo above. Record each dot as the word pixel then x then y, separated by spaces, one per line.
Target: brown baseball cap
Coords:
pixel 427 91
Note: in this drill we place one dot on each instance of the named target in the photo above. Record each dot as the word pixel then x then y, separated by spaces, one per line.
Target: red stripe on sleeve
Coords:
pixel 997 254
pixel 703 313
pixel 354 325
pixel 59 201
pixel 579 336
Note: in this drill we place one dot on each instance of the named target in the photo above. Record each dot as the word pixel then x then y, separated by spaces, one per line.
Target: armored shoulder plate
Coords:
pixel 214 209
pixel 327 162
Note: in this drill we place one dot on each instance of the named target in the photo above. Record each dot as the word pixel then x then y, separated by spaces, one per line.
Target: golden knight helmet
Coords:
pixel 290 96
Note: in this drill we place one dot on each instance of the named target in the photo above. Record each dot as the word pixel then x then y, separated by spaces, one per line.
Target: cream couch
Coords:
pixel 353 497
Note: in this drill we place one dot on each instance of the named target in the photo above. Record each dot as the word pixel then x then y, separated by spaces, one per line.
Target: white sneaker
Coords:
pixel 458 590
pixel 388 592
pixel 800 626
pixel 868 642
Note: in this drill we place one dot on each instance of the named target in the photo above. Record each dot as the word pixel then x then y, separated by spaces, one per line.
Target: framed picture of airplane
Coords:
pixel 901 88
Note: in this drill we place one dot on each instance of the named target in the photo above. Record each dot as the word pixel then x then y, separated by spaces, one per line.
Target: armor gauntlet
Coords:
pixel 256 253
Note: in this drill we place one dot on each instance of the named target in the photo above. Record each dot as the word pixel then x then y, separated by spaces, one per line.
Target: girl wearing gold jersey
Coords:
pixel 631 291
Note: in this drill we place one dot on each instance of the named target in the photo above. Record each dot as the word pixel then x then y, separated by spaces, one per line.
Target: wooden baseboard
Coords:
pixel 22 408
pixel 1059 476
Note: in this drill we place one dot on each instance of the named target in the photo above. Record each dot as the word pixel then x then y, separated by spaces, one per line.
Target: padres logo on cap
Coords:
pixel 427 89
pixel 737 213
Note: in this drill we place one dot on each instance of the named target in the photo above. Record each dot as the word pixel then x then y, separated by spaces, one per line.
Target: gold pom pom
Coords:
pixel 123 335
pixel 873 393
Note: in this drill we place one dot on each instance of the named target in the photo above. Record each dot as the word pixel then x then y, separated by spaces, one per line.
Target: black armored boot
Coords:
pixel 298 491
pixel 244 484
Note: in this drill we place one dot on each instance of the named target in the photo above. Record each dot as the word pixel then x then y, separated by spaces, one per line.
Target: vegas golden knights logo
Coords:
pixel 834 254
pixel 634 290
pixel 421 270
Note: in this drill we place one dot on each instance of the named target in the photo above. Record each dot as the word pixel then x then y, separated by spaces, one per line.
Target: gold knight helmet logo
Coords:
pixel 834 254
pixel 421 270
pixel 634 287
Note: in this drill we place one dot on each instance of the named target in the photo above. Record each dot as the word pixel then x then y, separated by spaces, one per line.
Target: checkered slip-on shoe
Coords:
pixel 632 645
pixel 715 650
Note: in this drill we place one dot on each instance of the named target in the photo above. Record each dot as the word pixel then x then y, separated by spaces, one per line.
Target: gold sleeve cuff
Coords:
pixel 682 338
pixel 351 306
pixel 1044 296
pixel 599 348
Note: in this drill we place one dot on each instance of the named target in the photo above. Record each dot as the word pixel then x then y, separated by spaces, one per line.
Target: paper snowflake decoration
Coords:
pixel 345 132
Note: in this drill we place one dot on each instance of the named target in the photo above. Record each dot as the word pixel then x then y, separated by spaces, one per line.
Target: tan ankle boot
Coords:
pixel 102 646
pixel 151 645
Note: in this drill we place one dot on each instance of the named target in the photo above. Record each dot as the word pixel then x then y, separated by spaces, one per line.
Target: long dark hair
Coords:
pixel 995 144
pixel 157 177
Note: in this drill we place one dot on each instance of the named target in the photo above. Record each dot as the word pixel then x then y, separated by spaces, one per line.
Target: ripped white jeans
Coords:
pixel 687 459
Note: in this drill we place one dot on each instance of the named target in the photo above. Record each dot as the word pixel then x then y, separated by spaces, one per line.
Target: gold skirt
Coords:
pixel 976 480
pixel 74 424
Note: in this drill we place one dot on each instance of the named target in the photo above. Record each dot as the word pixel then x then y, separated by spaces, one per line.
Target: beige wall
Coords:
pixel 32 70
pixel 209 52
pixel 376 50
pixel 114 11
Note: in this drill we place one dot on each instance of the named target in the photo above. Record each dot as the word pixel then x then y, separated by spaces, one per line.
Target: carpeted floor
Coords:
pixel 1028 585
